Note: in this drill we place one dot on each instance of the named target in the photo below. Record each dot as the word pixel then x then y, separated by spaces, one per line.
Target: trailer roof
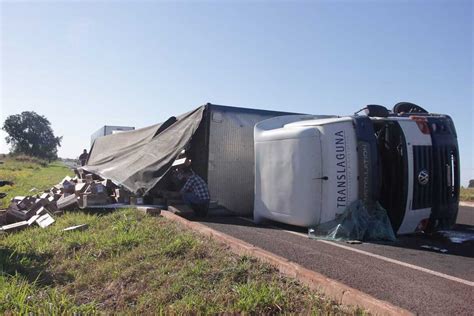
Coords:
pixel 245 110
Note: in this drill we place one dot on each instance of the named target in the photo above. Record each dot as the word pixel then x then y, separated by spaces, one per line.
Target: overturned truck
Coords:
pixel 310 169
pixel 300 169
pixel 218 139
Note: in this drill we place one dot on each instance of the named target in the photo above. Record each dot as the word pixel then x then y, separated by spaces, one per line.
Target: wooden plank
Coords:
pixel 32 219
pixel 14 226
pixel 81 227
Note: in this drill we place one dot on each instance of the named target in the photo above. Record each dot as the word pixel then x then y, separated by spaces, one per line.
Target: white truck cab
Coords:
pixel 309 169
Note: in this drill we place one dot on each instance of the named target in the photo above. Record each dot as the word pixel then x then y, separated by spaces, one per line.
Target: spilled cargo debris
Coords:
pixel 81 227
pixel 457 237
pixel 442 250
pixel 72 193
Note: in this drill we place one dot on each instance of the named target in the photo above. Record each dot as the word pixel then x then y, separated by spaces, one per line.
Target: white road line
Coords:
pixel 408 265
pixel 404 264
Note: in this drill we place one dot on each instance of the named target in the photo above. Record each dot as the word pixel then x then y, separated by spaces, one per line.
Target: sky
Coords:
pixel 85 64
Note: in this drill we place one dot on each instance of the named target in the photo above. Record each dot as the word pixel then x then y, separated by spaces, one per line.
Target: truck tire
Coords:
pixel 407 107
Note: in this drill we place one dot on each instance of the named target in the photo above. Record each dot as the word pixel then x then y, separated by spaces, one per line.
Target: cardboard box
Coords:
pixel 26 202
pixel 33 209
pixel 69 187
pixel 98 188
pixel 122 196
pixel 80 188
pixel 66 179
pixel 152 211
pixel 89 178
pixel 45 220
pixel 134 200
pixel 67 202
pixel 44 196
pixel 13 216
pixel 91 199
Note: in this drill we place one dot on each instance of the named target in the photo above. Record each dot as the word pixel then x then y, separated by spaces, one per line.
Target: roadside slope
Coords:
pixel 127 262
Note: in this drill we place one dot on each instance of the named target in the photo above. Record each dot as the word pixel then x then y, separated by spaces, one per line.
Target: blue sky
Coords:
pixel 88 64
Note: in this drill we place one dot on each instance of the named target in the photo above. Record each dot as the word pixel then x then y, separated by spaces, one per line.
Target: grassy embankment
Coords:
pixel 30 176
pixel 128 262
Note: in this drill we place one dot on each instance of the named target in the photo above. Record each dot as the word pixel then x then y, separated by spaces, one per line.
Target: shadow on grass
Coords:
pixel 32 266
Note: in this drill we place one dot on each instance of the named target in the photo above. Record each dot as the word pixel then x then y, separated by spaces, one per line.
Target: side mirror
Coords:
pixel 374 110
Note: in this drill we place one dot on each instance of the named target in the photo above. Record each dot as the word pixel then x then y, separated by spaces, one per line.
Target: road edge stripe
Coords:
pixel 380 257
pixel 332 289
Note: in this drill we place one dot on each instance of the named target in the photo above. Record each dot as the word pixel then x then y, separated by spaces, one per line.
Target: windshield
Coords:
pixel 394 169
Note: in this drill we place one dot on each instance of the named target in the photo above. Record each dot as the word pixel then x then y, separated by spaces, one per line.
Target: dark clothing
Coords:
pixel 2 183
pixel 83 158
pixel 196 194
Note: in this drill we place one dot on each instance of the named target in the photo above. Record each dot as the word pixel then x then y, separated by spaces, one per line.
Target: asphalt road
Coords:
pixel 465 215
pixel 429 275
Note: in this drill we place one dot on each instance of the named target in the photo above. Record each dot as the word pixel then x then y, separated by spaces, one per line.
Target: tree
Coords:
pixel 31 134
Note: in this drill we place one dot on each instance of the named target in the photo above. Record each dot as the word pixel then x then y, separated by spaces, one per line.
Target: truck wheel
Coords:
pixel 407 107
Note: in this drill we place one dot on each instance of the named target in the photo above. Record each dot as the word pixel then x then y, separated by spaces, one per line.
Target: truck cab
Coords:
pixel 309 169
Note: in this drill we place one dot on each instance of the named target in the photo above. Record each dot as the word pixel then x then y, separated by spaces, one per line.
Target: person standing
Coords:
pixel 83 157
pixel 195 193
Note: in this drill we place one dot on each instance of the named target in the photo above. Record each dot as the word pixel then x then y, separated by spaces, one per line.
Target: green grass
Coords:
pixel 467 194
pixel 30 176
pixel 127 262
pixel 132 263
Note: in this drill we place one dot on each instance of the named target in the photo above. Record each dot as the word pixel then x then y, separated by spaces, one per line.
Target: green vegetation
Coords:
pixel 30 133
pixel 467 194
pixel 30 175
pixel 127 262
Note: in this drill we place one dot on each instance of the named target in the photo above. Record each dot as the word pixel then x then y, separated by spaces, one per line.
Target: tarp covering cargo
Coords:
pixel 139 159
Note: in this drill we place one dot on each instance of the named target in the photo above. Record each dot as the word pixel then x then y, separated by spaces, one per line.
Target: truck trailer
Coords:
pixel 309 169
pixel 222 153
pixel 109 130
pixel 218 139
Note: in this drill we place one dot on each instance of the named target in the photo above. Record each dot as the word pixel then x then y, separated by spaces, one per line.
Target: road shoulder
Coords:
pixel 332 289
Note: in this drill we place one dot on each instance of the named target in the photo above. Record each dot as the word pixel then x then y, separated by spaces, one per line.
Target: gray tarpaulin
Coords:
pixel 139 159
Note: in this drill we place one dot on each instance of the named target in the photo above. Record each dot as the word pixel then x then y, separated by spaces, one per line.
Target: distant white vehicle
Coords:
pixel 108 130
pixel 308 168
